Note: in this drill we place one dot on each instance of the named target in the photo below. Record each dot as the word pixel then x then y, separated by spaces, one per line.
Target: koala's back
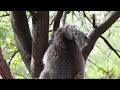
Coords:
pixel 64 59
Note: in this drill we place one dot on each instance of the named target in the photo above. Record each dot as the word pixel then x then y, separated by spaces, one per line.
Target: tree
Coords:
pixel 38 43
pixel 32 44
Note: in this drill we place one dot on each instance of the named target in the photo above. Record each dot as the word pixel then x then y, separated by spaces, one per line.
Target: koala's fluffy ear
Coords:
pixel 73 27
pixel 69 31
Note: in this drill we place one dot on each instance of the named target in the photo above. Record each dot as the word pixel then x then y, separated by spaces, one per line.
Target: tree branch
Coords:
pixel 56 24
pixel 64 17
pixel 57 20
pixel 5 15
pixel 52 21
pixel 40 41
pixel 12 57
pixel 20 75
pixel 94 34
pixel 22 35
pixel 87 17
pixel 4 69
pixel 110 46
pixel 97 66
pixel 117 50
pixel 94 21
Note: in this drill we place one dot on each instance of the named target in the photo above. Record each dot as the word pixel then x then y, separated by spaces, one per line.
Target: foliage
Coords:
pixel 101 55
pixel 8 45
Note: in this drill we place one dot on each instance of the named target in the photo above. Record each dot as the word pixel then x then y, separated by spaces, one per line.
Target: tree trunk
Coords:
pixel 22 35
pixel 4 69
pixel 40 40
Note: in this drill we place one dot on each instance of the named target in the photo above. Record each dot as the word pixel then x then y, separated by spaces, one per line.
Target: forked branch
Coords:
pixel 98 31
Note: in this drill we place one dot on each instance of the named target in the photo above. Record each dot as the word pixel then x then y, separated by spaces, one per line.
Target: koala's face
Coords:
pixel 80 38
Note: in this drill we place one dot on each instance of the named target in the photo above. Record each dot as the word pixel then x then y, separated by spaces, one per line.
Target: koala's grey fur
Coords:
pixel 63 58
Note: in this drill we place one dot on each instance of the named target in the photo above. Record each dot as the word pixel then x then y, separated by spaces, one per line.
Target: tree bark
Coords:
pixel 40 40
pixel 98 31
pixel 56 24
pixel 4 69
pixel 57 20
pixel 22 35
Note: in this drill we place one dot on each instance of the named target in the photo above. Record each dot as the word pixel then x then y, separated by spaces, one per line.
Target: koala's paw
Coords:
pixel 70 31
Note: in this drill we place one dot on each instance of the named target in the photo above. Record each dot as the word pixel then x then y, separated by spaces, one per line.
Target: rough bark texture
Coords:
pixel 40 40
pixel 57 20
pixel 22 35
pixel 56 24
pixel 4 69
pixel 98 31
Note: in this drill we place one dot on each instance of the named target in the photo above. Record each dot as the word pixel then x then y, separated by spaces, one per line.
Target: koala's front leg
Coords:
pixel 44 75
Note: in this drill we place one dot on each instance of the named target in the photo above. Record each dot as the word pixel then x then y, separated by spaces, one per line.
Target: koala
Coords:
pixel 63 58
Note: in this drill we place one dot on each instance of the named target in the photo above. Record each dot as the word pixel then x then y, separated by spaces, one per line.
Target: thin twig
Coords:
pixel 76 16
pixel 13 56
pixel 97 66
pixel 87 17
pixel 28 17
pixel 108 59
pixel 50 30
pixel 81 19
pixel 94 21
pixel 64 18
pixel 32 12
pixel 117 50
pixel 5 15
pixel 20 75
pixel 52 20
pixel 110 46
pixel 103 52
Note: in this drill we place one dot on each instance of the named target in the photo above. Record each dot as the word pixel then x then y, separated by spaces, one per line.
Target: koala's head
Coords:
pixel 80 38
